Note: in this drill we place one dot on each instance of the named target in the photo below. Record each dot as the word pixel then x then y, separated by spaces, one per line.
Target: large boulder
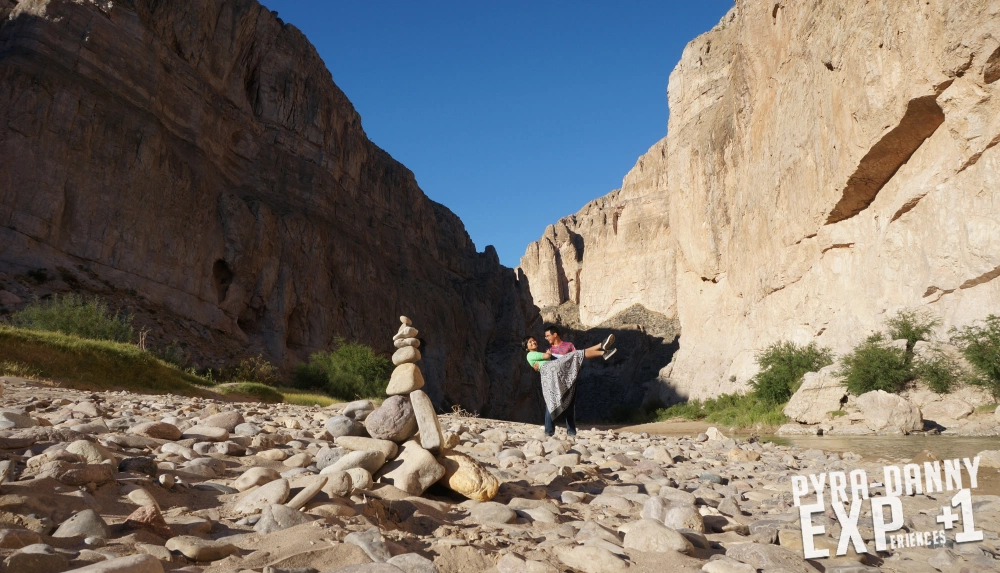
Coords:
pixel 820 393
pixel 949 409
pixel 887 413
pixel 394 420
pixel 465 476
pixel 413 471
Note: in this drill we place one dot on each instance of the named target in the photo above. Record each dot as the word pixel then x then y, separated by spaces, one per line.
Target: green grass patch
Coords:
pixel 91 364
pixel 78 316
pixel 744 411
pixel 293 396
pixel 11 368
pixel 250 391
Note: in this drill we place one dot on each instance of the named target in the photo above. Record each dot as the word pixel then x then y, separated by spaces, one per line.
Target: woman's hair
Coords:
pixel 524 343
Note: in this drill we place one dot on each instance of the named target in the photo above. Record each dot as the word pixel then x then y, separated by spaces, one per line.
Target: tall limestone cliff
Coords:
pixel 614 253
pixel 195 162
pixel 610 269
pixel 827 165
pixel 831 164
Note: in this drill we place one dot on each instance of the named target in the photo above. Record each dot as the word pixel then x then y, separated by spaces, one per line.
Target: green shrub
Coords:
pixel 782 365
pixel 939 371
pixel 256 369
pixel 980 344
pixel 351 371
pixel 174 354
pixel 911 325
pixel 76 316
pixel 873 365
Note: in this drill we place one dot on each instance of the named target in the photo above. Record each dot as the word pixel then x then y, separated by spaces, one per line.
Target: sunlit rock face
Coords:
pixel 826 165
pixel 614 253
pixel 830 164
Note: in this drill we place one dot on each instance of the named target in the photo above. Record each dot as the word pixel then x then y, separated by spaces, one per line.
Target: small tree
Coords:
pixel 782 365
pixel 873 365
pixel 911 325
pixel 256 369
pixel 980 344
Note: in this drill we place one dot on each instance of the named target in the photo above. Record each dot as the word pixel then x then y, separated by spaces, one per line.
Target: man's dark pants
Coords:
pixel 569 415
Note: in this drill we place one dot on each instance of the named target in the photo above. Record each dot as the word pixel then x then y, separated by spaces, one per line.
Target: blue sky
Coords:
pixel 511 113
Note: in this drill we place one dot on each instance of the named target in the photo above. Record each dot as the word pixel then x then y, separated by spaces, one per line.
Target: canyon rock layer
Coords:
pixel 196 163
pixel 826 165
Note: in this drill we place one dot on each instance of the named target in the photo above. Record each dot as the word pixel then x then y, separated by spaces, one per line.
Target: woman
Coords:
pixel 559 379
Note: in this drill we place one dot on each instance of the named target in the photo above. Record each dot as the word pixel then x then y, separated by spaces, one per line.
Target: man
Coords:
pixel 557 346
pixel 562 392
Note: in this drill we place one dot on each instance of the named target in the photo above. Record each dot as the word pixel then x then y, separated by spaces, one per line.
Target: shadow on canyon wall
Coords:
pixel 616 390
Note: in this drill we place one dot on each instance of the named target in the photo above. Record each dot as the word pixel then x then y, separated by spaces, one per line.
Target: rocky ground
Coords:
pixel 125 482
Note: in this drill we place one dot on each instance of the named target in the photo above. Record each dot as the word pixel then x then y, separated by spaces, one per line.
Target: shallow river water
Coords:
pixel 894 447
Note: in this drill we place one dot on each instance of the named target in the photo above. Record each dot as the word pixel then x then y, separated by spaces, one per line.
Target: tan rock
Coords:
pixel 947 409
pixel 401 342
pixel 405 331
pixel 617 251
pixel 405 379
pixel 820 393
pixel 427 421
pixel 465 476
pixel 886 413
pixel 413 471
pixel 357 443
pixel 254 477
pixel 405 355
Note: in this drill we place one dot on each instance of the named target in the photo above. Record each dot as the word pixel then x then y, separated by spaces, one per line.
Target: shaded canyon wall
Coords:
pixel 195 162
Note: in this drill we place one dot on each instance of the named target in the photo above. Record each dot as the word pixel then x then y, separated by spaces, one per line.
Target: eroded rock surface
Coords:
pixel 196 163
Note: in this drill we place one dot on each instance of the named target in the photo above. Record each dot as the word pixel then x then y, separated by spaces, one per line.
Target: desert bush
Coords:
pixel 256 369
pixel 782 365
pixel 873 365
pixel 939 371
pixel 351 371
pixel 74 315
pixel 980 344
pixel 175 354
pixel 911 325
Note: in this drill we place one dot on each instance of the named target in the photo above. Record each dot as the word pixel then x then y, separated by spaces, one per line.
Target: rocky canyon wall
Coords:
pixel 614 253
pixel 195 162
pixel 826 165
pixel 830 164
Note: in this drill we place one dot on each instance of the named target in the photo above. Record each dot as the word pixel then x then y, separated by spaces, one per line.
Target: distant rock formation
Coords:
pixel 195 162
pixel 826 165
pixel 614 253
